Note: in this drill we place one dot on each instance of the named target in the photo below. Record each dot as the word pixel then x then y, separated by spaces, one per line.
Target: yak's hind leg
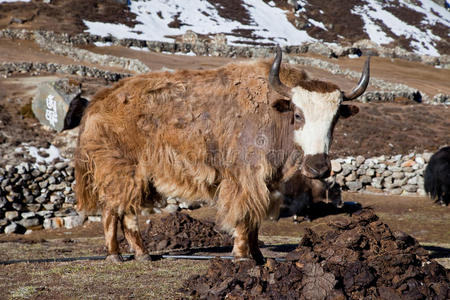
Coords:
pixel 110 220
pixel 122 188
pixel 130 227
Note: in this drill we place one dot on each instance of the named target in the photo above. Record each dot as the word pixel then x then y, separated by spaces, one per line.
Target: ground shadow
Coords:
pixel 438 252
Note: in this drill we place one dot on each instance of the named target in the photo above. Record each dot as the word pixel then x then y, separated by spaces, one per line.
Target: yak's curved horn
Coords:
pixel 362 83
pixel 274 76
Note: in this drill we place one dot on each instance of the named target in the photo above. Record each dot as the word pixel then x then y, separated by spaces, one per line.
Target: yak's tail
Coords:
pixel 430 184
pixel 87 196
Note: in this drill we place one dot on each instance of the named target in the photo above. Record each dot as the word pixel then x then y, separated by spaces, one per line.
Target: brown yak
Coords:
pixel 227 135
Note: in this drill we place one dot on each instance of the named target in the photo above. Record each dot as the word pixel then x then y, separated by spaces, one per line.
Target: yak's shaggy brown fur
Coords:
pixel 209 134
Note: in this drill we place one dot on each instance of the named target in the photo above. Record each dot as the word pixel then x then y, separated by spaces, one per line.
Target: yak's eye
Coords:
pixel 297 117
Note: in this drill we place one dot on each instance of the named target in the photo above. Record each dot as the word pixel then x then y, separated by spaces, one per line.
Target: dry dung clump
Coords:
pixel 181 231
pixel 359 257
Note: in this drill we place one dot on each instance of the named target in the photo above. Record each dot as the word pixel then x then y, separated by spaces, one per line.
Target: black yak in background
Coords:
pixel 437 176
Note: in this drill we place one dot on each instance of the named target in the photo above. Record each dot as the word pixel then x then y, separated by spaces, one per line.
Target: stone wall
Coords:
pixel 36 196
pixel 218 47
pixel 33 68
pixel 395 175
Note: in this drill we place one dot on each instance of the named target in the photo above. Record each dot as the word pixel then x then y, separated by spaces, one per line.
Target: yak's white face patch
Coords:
pixel 319 111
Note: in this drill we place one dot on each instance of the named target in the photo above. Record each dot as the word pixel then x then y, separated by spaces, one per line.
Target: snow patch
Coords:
pixel 269 24
pixel 50 153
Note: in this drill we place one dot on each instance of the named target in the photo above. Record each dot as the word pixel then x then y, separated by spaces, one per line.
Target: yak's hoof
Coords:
pixel 115 258
pixel 260 260
pixel 143 257
pixel 239 259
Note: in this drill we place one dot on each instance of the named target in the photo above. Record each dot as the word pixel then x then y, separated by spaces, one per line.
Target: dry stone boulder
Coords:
pixel 58 104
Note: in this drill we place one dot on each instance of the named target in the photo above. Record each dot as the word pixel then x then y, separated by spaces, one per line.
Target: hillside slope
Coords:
pixel 420 26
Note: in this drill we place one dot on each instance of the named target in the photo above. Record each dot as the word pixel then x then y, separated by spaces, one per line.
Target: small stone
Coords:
pixel 3 202
pixel 61 165
pixel 94 218
pixel 73 221
pixel 33 207
pixel 420 160
pixel 370 172
pixel 396 191
pixel 408 163
pixel 41 199
pixel 359 160
pixel 361 171
pixel 354 185
pixel 413 180
pixel 398 175
pixel 43 184
pixel 11 215
pixel 171 200
pixel 51 180
pixel 17 206
pixel 27 215
pixel 55 198
pixel 400 182
pixel 27 223
pixel 28 199
pixel 45 213
pixel 57 187
pixel 70 170
pixel 377 182
pixel 3 223
pixel 42 168
pixel 395 168
pixel 351 177
pixel 336 166
pixel 56 174
pixel 397 157
pixel 347 169
pixel 410 188
pixel 171 208
pixel 387 173
pixel 365 179
pixel 49 206
pixel 381 167
pixel 11 228
pixel 35 173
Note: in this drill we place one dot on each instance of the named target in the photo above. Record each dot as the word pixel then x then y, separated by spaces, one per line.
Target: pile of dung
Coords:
pixel 359 257
pixel 181 231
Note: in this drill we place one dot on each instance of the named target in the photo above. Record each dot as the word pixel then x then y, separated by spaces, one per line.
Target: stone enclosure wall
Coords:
pixel 36 196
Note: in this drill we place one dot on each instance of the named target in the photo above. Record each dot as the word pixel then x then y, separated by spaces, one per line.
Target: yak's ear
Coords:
pixel 282 105
pixel 346 110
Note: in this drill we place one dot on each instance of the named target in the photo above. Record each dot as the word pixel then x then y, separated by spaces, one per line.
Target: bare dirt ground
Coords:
pixel 379 128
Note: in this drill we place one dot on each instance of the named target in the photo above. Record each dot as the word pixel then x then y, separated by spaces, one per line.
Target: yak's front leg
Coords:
pixel 130 227
pixel 246 243
pixel 110 220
